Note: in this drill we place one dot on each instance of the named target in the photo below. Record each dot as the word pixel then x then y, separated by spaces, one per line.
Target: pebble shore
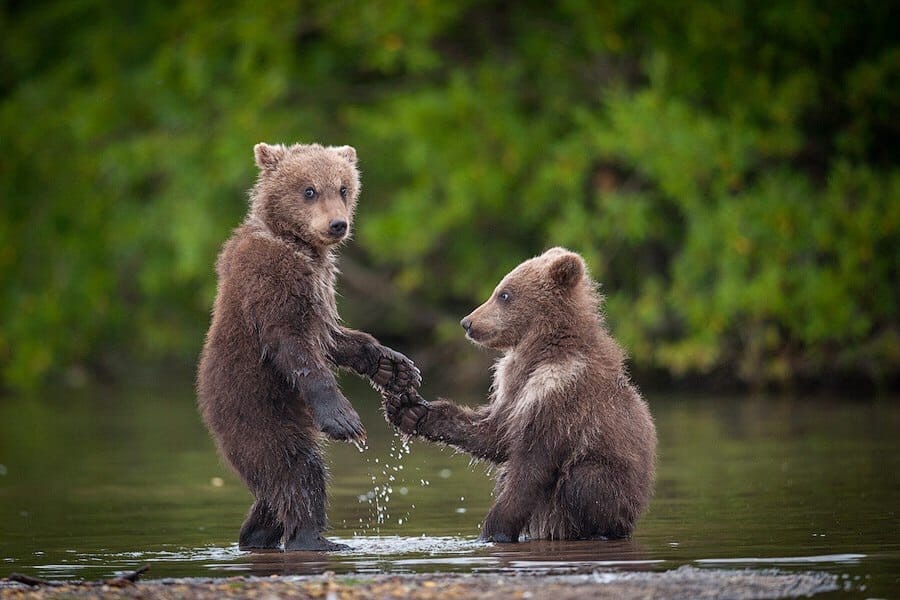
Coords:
pixel 683 583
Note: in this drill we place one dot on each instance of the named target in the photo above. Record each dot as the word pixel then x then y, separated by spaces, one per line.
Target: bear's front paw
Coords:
pixel 346 429
pixel 339 421
pixel 406 410
pixel 394 372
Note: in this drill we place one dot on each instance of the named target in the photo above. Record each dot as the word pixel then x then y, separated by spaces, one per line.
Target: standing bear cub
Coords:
pixel 265 383
pixel 574 440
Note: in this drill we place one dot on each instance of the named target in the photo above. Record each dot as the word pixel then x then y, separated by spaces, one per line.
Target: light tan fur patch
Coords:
pixel 545 380
pixel 502 379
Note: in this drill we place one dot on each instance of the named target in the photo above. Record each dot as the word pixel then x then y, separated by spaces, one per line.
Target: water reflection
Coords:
pixel 395 554
pixel 575 556
pixel 844 559
pixel 390 554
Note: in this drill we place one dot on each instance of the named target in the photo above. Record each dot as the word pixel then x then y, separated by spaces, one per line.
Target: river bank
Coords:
pixel 682 583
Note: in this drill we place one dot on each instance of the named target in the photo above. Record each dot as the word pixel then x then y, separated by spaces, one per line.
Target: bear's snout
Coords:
pixel 466 324
pixel 472 333
pixel 337 228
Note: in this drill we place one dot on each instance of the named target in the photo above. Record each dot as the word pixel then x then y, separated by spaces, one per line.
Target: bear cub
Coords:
pixel 265 385
pixel 574 441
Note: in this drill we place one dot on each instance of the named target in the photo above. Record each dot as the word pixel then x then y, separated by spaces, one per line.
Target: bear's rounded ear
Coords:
pixel 267 156
pixel 566 269
pixel 556 251
pixel 348 152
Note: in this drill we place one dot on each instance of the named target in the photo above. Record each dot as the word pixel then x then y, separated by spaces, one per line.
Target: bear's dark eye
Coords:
pixel 343 192
pixel 310 193
pixel 503 297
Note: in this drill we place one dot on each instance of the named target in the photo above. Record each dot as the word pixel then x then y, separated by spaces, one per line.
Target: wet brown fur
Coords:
pixel 574 440
pixel 265 383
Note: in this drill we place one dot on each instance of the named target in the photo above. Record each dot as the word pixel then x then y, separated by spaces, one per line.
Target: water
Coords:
pixel 104 480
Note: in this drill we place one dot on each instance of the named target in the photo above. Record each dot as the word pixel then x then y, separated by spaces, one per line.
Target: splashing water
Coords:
pixel 383 482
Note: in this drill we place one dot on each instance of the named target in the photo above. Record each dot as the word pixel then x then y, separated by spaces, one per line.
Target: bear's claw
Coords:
pixel 344 428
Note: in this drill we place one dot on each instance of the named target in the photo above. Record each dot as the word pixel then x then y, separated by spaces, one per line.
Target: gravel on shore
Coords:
pixel 682 583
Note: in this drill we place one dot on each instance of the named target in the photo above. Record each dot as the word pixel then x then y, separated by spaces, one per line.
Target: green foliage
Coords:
pixel 728 170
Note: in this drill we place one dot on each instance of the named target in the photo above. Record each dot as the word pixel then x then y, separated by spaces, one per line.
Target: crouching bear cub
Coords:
pixel 265 383
pixel 574 440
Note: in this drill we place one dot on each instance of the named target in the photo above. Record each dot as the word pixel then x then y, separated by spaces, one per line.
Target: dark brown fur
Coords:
pixel 265 383
pixel 574 439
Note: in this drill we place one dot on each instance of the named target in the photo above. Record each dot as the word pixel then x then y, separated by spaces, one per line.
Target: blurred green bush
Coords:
pixel 728 169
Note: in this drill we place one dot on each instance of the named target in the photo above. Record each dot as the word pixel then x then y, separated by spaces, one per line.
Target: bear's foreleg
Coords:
pixel 471 431
pixel 332 412
pixel 386 368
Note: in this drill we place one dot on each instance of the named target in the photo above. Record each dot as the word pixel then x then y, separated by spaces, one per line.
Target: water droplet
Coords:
pixel 379 497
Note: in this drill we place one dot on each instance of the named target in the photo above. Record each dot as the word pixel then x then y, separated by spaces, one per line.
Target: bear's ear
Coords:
pixel 268 157
pixel 556 251
pixel 567 269
pixel 348 152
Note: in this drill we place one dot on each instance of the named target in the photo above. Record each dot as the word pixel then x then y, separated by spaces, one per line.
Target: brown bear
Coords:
pixel 265 383
pixel 574 440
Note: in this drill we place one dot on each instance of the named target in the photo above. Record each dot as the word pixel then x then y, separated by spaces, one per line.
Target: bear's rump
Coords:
pixel 588 501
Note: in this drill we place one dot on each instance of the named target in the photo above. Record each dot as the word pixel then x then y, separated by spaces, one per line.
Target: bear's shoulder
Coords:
pixel 256 253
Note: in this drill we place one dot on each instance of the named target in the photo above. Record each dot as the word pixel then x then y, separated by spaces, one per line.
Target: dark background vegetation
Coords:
pixel 728 169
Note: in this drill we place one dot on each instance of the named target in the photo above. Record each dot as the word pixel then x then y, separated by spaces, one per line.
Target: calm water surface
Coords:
pixel 104 480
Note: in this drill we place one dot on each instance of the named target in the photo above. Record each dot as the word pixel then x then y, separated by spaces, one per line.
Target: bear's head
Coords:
pixel 545 295
pixel 306 192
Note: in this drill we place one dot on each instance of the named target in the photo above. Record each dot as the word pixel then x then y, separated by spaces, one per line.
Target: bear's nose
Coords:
pixel 466 324
pixel 337 227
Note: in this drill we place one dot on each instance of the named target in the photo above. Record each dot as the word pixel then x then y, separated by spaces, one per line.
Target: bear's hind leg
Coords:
pixel 593 502
pixel 303 508
pixel 261 530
